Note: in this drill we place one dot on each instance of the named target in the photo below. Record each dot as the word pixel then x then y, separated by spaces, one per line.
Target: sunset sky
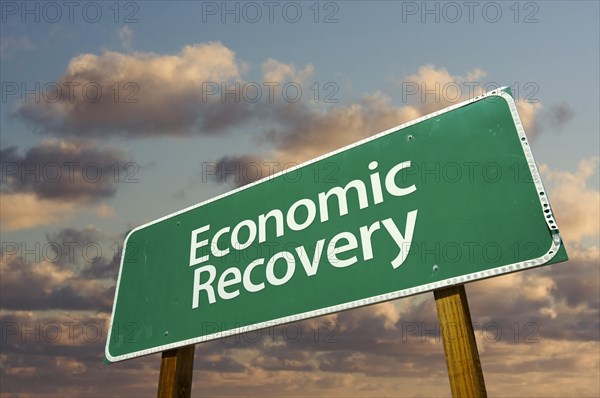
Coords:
pixel 115 114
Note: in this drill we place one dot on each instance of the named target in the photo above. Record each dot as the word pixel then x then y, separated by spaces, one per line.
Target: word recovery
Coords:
pixel 226 284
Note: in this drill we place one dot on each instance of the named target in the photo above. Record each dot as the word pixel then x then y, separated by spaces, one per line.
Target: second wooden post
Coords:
pixel 176 370
pixel 462 357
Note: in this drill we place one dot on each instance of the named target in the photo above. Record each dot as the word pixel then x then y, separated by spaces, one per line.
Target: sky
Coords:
pixel 117 113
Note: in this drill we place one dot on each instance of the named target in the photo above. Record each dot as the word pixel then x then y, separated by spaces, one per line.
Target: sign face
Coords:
pixel 449 198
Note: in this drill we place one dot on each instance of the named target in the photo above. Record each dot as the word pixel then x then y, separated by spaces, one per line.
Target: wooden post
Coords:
pixel 176 370
pixel 462 357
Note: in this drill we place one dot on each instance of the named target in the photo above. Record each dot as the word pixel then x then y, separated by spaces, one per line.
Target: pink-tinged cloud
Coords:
pixel 26 210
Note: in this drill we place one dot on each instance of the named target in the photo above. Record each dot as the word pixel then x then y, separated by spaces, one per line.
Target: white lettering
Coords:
pixel 333 251
pixel 262 224
pixel 365 238
pixel 311 268
pixel 235 239
pixel 300 216
pixel 196 245
pixel 390 181
pixel 214 248
pixel 206 286
pixel 291 267
pixel 223 283
pixel 403 242
pixel 251 287
pixel 310 217
pixel 341 193
pixel 375 184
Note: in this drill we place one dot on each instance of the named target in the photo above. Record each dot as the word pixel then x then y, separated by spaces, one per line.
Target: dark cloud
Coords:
pixel 217 363
pixel 66 170
pixel 45 286
pixel 560 114
pixel 554 117
pixel 576 290
pixel 93 254
pixel 72 270
pixel 238 170
pixel 570 310
pixel 50 355
pixel 370 348
pixel 287 360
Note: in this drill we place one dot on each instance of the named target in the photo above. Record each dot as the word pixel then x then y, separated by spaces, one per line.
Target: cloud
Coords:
pixel 309 132
pixel 557 116
pixel 541 369
pixel 575 203
pixel 12 45
pixel 519 318
pixel 528 112
pixel 126 36
pixel 559 301
pixel 201 91
pixel 49 286
pixel 275 71
pixel 105 211
pixel 142 94
pixel 561 114
pixel 89 251
pixel 433 88
pixel 66 170
pixel 369 346
pixel 73 269
pixel 59 353
pixel 56 179
pixel 370 353
pixel 26 210
pixel 301 132
pixel 240 170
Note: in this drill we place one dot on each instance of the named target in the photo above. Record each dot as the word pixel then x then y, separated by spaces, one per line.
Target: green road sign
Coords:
pixel 449 198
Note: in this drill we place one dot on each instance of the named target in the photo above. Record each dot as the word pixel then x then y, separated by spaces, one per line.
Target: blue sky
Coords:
pixel 366 56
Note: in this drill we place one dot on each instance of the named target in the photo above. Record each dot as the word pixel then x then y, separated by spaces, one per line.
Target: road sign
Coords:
pixel 449 198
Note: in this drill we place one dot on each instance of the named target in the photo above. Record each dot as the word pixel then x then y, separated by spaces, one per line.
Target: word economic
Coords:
pixel 227 284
